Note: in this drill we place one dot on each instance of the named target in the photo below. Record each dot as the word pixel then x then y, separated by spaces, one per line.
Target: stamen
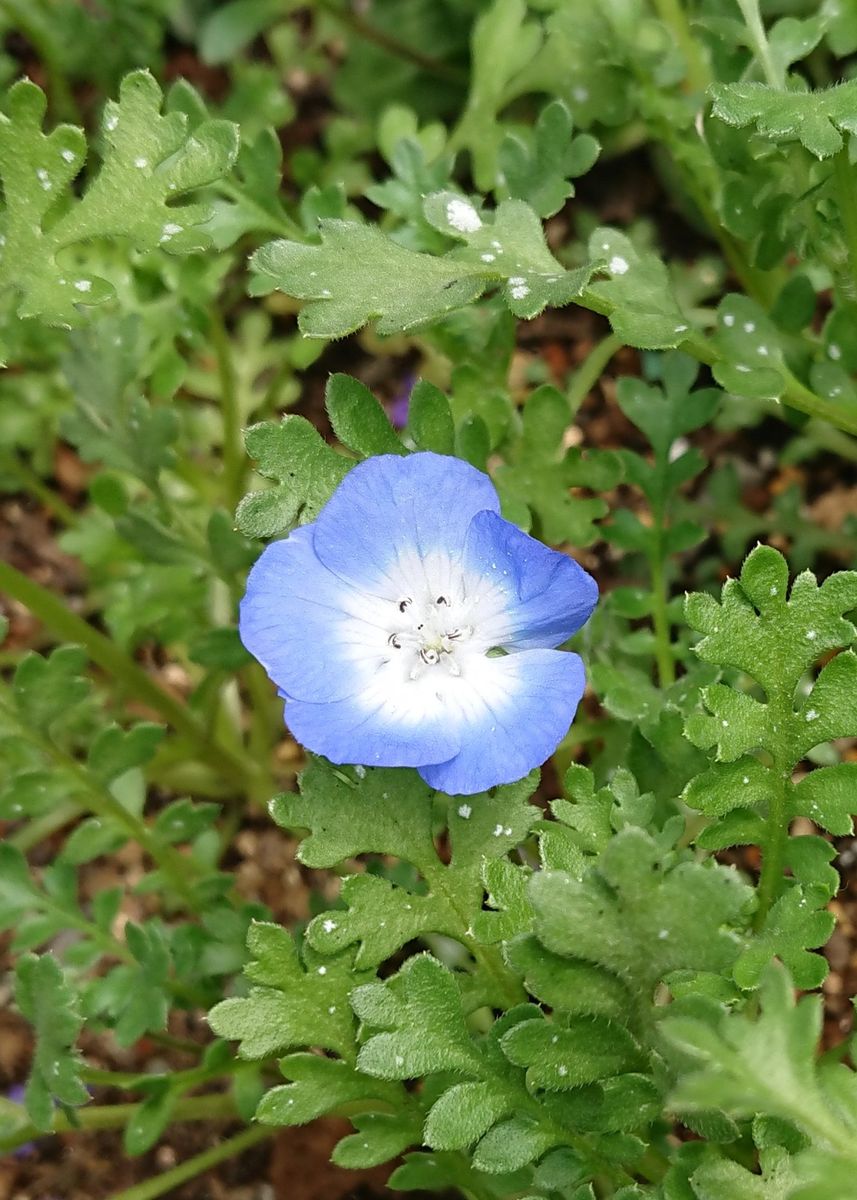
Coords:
pixel 429 655
pixel 441 600
pixel 405 604
pixel 393 640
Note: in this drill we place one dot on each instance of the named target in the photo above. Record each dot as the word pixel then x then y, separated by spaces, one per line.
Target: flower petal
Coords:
pixel 391 517
pixel 316 636
pixel 389 724
pixel 530 596
pixel 511 714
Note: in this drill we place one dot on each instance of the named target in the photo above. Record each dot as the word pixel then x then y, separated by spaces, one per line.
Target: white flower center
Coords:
pixel 429 633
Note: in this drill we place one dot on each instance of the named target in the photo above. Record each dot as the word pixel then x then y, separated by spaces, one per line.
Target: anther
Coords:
pixel 429 655
pixel 393 640
pixel 405 604
pixel 441 600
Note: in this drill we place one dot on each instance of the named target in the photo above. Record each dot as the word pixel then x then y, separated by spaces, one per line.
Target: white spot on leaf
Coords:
pixel 463 216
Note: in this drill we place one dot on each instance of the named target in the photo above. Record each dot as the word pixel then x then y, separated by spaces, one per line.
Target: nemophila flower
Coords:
pixel 410 625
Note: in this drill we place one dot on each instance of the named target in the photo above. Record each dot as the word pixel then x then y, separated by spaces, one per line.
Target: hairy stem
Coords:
pixel 660 616
pixel 846 196
pixel 773 851
pixel 590 370
pixel 234 458
pixel 775 840
pixel 761 47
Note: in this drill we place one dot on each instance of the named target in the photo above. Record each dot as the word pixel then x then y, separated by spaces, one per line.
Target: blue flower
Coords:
pixel 411 626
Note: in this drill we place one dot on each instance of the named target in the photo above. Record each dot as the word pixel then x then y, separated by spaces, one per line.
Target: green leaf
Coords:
pixel 596 816
pixel 580 1051
pixel 768 1064
pixel 47 689
pixel 184 821
pixel 115 751
pixel 509 248
pixel 381 918
pixel 357 273
pixel 797 920
pixel 816 119
pixel 135 995
pixel 430 424
pixel 288 1004
pixel 425 1031
pixel 502 42
pixel 149 162
pixel 387 811
pixel 567 984
pixel 111 423
pixel 506 885
pixel 319 1085
pixel 306 474
pixel 46 1000
pixel 149 1119
pixel 540 473
pixel 827 797
pixel 463 1114
pixel 379 1137
pixel 641 305
pixel 725 1180
pixel 512 1145
pixel 774 637
pixel 538 168
pixel 752 361
pixel 639 919
pixel 358 419
pixel 233 26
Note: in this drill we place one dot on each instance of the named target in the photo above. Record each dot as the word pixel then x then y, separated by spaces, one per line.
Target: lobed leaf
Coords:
pixel 49 1004
pixel 149 162
pixel 817 119
pixel 289 1004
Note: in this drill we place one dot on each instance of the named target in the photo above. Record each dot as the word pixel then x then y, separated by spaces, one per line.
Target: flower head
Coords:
pixel 410 625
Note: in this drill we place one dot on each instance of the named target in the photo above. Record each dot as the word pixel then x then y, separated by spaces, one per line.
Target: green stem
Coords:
pixel 218 1106
pixel 68 626
pixel 234 458
pixel 795 395
pixel 33 484
pixel 846 195
pixel 176 868
pixel 660 615
pixel 761 47
pixel 167 1180
pixel 178 1080
pixel 673 16
pixel 590 370
pixel 773 849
